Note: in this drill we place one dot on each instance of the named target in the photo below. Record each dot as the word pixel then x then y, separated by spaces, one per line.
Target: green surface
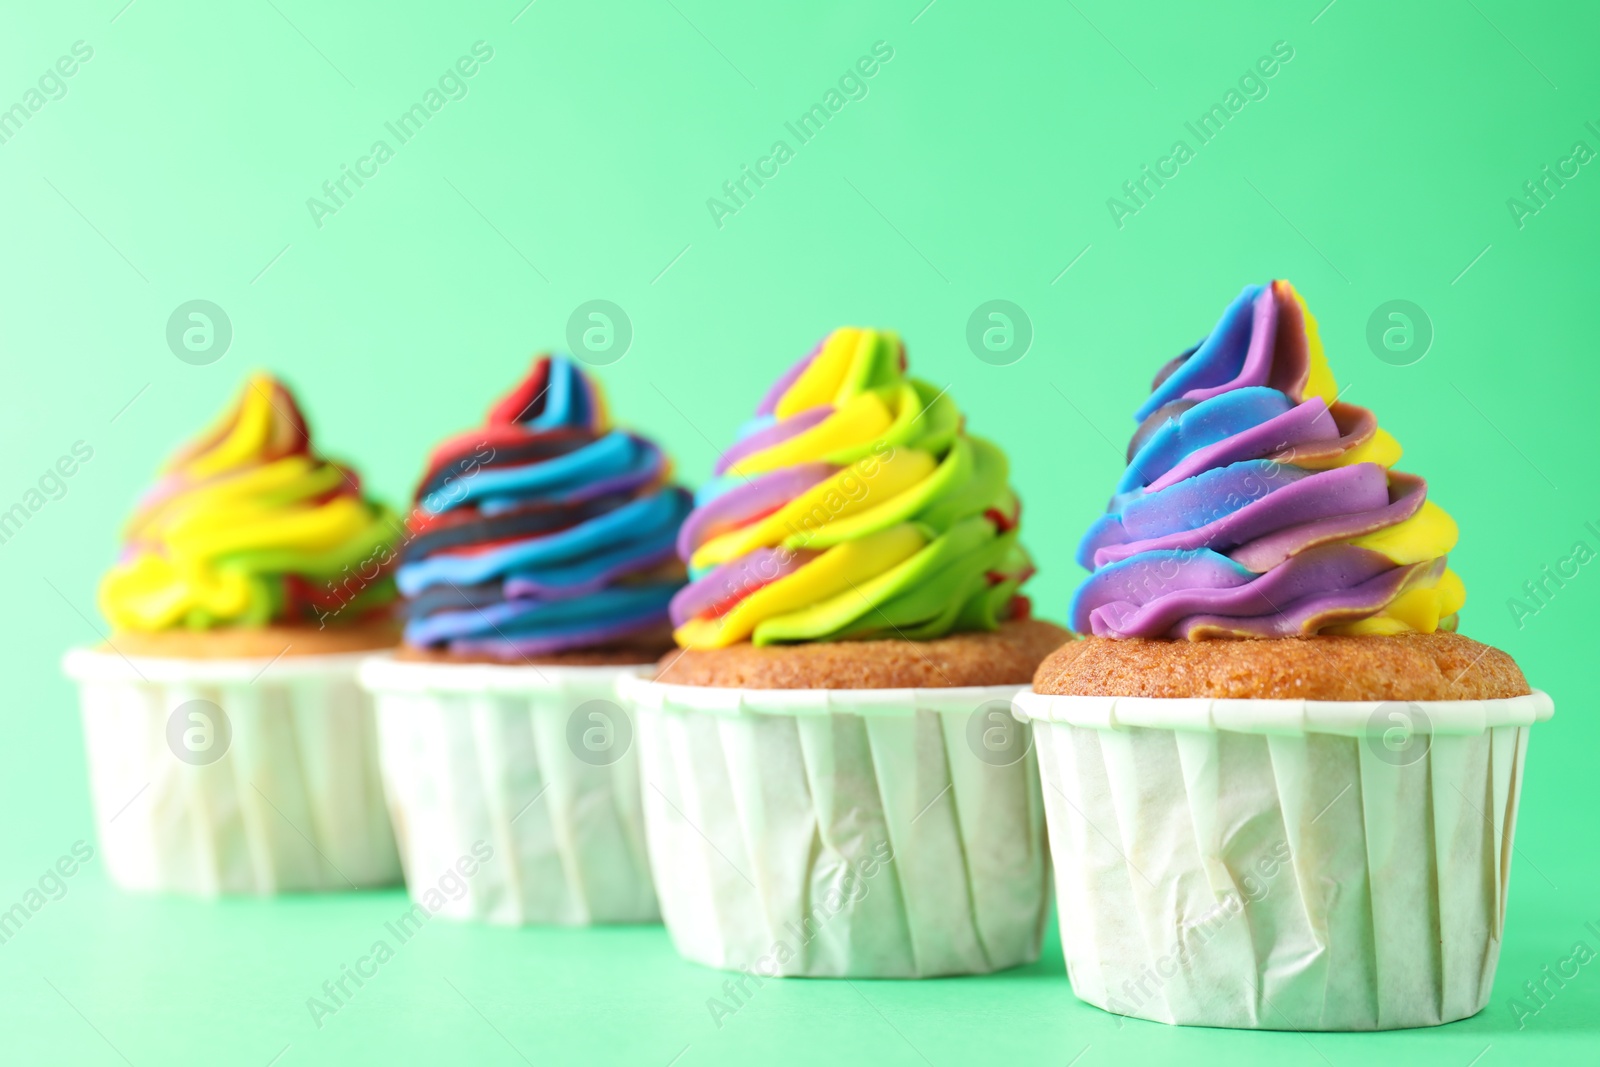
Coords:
pixel 177 167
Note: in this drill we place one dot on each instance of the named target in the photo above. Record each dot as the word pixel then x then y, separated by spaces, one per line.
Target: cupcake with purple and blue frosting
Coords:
pixel 537 569
pixel 1280 786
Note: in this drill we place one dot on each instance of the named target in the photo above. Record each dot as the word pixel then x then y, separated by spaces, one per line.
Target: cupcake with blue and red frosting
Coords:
pixel 537 569
pixel 546 534
pixel 1305 769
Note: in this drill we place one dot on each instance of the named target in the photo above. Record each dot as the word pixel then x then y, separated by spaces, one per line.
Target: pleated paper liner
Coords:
pixel 886 833
pixel 234 776
pixel 537 768
pixel 1282 864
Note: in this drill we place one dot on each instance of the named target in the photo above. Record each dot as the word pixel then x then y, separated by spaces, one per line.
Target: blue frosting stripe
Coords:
pixel 1207 423
pixel 559 532
pixel 567 400
pixel 635 521
pixel 1216 361
pixel 617 453
pixel 528 618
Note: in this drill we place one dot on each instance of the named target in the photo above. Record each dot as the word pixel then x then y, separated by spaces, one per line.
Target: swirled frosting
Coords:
pixel 1257 504
pixel 249 526
pixel 854 505
pixel 543 531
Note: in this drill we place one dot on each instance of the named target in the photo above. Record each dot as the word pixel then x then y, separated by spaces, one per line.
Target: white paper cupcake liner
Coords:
pixel 540 763
pixel 1282 864
pixel 234 776
pixel 844 833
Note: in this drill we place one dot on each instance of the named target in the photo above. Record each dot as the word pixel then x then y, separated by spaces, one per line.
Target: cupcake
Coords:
pixel 833 783
pixel 230 749
pixel 1281 788
pixel 536 571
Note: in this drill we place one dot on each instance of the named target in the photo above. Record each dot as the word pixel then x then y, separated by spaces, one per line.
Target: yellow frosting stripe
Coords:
pixel 211 535
pixel 860 421
pixel 853 490
pixel 1320 382
pixel 1420 609
pixel 954 470
pixel 835 613
pixel 835 571
pixel 1428 534
pixel 240 434
pixel 922 417
pixel 904 474
pixel 819 383
pixel 249 526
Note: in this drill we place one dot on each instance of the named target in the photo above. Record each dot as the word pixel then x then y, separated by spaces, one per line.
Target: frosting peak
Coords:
pixel 545 530
pixel 1257 504
pixel 853 505
pixel 248 526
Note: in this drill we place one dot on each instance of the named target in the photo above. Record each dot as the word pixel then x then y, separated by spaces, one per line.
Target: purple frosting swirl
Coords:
pixel 1246 486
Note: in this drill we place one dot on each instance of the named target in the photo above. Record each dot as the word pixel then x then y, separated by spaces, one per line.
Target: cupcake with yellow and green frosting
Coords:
pixel 854 506
pixel 230 749
pixel 836 716
pixel 251 536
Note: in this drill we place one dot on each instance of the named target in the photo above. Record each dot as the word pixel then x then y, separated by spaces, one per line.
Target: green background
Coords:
pixel 177 167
